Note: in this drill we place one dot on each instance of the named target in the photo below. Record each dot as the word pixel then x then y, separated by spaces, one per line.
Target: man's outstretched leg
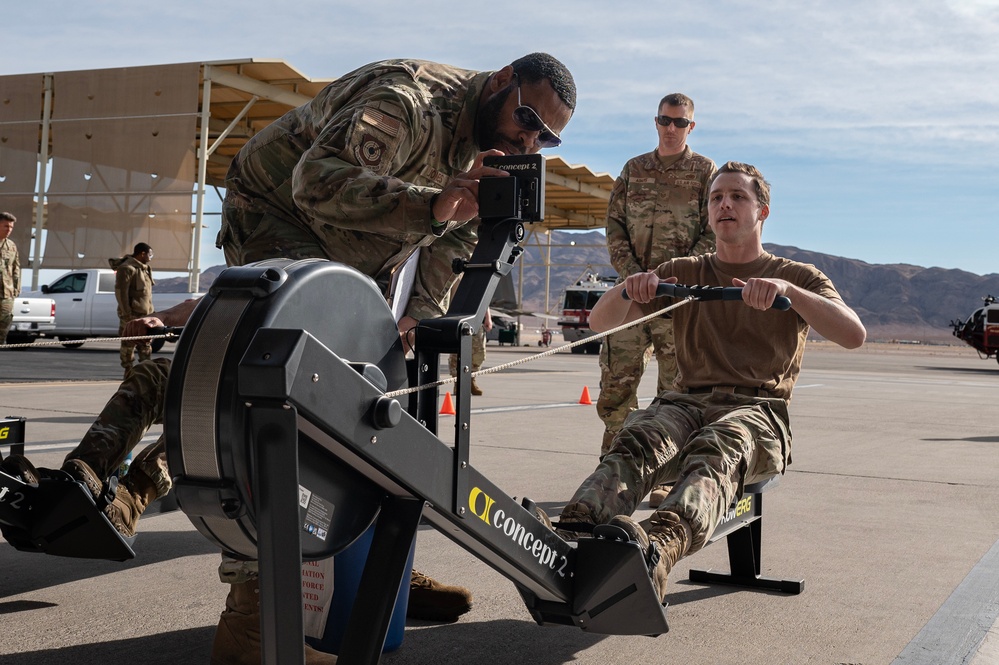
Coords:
pixel 736 438
pixel 124 420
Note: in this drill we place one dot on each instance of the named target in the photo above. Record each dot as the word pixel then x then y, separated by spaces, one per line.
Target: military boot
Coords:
pixel 476 390
pixel 430 600
pixel 665 543
pixel 575 520
pixel 658 495
pixel 237 637
pixel 135 492
pixel 20 467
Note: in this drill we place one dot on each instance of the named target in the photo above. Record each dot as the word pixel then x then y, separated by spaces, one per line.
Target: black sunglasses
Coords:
pixel 680 123
pixel 527 118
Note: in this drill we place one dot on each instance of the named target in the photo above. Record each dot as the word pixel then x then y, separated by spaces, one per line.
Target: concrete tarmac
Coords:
pixel 888 513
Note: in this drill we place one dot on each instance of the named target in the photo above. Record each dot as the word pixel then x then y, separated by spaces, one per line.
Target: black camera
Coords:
pixel 521 196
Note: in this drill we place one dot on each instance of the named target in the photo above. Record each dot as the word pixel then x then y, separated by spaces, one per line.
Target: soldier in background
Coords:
pixel 657 211
pixel 133 288
pixel 478 352
pixel 10 274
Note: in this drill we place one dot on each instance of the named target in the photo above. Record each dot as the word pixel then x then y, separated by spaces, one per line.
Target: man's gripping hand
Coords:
pixel 459 200
pixel 641 287
pixel 760 292
pixel 141 326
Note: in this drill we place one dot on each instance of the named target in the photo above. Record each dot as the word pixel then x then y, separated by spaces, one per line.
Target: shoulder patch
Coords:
pixel 369 152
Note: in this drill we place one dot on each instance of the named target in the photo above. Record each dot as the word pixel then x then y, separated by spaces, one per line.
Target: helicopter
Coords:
pixel 981 329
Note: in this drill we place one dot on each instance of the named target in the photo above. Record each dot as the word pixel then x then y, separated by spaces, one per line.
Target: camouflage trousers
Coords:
pixel 129 349
pixel 478 353
pixel 124 420
pixel 6 317
pixel 623 359
pixel 707 446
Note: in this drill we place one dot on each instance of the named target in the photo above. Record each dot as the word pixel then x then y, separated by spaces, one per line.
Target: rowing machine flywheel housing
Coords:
pixel 205 418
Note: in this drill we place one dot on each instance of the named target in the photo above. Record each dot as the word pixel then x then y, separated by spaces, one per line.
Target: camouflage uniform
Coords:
pixel 10 285
pixel 709 437
pixel 133 288
pixel 135 406
pixel 657 211
pixel 351 177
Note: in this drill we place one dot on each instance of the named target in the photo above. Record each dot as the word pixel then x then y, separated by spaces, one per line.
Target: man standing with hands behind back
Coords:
pixel 657 211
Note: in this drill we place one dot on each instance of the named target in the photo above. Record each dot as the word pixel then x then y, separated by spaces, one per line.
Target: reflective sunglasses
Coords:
pixel 527 118
pixel 665 120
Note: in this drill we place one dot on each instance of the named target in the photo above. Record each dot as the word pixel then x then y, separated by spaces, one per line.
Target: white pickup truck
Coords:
pixel 32 317
pixel 86 306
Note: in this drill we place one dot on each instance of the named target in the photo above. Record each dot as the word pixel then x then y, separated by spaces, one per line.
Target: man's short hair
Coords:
pixel 677 99
pixel 7 217
pixel 140 248
pixel 537 67
pixel 759 182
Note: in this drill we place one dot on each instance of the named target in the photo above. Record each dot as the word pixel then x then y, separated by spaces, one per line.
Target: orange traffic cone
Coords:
pixel 585 397
pixel 447 409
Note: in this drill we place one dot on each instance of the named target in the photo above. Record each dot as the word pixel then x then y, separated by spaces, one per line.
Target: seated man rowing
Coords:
pixel 725 424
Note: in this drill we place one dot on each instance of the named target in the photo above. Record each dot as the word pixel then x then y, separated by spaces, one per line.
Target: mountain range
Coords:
pixel 898 302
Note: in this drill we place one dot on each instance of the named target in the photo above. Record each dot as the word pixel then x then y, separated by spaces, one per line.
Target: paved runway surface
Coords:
pixel 888 512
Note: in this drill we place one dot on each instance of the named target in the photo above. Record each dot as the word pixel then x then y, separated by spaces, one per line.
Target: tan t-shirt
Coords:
pixel 727 343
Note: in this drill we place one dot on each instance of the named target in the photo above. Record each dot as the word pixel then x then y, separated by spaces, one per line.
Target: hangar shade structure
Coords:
pixel 102 159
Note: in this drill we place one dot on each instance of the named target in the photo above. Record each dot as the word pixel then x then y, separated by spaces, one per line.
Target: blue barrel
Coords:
pixel 348 566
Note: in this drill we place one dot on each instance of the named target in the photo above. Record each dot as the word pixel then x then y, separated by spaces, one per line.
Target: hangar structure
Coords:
pixel 101 159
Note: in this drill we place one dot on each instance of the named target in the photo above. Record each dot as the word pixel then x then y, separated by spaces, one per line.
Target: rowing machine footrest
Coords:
pixel 61 518
pixel 613 593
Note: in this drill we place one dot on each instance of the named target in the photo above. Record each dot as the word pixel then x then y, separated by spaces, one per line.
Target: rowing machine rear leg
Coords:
pixel 744 547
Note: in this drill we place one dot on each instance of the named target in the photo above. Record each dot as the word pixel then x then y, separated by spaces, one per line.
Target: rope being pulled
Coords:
pixel 406 391
pixel 543 354
pixel 88 339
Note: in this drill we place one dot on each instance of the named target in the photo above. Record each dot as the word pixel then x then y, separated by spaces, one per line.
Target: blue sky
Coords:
pixel 877 123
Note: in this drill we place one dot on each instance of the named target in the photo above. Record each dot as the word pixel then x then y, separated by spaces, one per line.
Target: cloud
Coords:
pixel 854 88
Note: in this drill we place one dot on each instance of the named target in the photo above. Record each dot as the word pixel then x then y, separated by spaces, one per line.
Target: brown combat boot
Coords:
pixel 430 600
pixel 476 390
pixel 658 495
pixel 575 521
pixel 135 492
pixel 237 637
pixel 81 471
pixel 21 468
pixel 665 543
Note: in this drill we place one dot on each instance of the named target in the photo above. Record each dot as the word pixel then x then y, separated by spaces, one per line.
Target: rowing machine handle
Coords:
pixel 781 303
